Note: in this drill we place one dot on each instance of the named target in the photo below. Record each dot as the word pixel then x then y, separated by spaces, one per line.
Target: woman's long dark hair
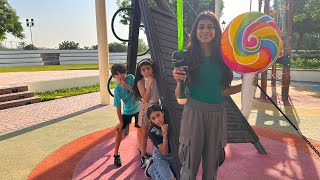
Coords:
pixel 138 76
pixel 196 53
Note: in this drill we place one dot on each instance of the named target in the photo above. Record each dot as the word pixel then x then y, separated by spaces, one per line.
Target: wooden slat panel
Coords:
pixel 168 37
pixel 166 50
pixel 236 126
pixel 162 26
pixel 236 134
pixel 168 44
pixel 159 19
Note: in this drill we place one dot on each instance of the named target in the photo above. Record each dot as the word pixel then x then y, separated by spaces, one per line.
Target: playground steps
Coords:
pixel 14 96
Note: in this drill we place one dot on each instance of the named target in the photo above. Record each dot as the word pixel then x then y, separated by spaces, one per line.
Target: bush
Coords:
pixel 307 54
pixel 30 47
pixel 94 47
pixel 69 45
pixel 117 47
pixel 62 93
pixel 308 51
pixel 305 63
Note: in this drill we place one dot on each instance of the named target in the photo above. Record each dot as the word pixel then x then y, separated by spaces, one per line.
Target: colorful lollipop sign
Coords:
pixel 250 44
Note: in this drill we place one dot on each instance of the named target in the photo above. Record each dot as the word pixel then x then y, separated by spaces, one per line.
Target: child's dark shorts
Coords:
pixel 127 120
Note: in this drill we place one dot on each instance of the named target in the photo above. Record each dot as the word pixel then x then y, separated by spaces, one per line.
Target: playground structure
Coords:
pixel 92 160
pixel 161 30
pixel 287 19
pixel 160 25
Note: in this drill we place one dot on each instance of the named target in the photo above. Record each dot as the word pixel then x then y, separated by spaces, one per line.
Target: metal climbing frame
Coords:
pixel 161 31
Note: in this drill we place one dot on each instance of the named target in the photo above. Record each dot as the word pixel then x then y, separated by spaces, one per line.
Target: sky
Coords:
pixel 75 20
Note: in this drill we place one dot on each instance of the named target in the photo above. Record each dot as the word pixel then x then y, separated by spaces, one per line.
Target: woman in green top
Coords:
pixel 203 123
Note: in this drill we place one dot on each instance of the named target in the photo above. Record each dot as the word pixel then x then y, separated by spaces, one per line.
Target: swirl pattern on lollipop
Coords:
pixel 251 43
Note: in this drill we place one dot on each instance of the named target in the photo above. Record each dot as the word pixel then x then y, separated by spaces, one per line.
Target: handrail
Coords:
pixel 115 34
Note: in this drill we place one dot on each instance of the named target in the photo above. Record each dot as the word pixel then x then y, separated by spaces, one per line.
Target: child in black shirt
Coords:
pixel 162 165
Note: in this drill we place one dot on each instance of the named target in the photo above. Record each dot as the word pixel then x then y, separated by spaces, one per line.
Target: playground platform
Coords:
pixel 72 138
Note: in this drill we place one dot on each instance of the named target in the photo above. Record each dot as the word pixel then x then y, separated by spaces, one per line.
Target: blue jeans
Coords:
pixel 163 167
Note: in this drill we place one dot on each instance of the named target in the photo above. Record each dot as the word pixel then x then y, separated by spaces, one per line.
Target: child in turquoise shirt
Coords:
pixel 131 105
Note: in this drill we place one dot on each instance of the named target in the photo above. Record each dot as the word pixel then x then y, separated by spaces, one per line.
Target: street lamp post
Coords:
pixel 30 24
pixel 223 25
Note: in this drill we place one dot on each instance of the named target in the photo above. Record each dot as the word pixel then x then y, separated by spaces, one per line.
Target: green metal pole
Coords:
pixel 182 99
pixel 180 25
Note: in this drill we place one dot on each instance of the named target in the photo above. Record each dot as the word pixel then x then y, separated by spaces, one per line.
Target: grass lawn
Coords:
pixel 51 68
pixel 62 93
pixel 51 95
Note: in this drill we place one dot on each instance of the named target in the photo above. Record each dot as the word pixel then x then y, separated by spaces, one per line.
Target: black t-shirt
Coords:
pixel 156 136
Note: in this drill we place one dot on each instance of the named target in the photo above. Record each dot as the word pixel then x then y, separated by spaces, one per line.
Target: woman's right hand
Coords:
pixel 179 74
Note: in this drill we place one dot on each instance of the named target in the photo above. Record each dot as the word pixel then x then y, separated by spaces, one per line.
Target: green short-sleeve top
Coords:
pixel 208 88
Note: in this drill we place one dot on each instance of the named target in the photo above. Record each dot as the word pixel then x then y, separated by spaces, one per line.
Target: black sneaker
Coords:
pixel 149 162
pixel 117 160
pixel 143 162
pixel 148 155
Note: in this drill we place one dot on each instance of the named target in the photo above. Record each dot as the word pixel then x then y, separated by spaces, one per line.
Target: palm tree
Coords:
pixel 22 44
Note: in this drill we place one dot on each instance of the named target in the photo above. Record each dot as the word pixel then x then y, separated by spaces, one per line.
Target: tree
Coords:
pixel 2 46
pixel 142 46
pixel 198 6
pixel 189 16
pixel 30 47
pixel 117 47
pixel 94 47
pixel 125 18
pixel 9 21
pixel 69 45
pixel 306 18
pixel 22 44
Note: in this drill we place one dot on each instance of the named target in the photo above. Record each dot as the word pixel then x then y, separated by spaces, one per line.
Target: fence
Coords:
pixel 56 57
pixel 51 57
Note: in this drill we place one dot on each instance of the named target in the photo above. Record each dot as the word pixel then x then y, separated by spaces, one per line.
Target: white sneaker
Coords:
pixel 149 163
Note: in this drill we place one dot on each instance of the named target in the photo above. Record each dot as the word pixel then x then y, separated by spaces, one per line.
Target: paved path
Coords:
pixel 14 78
pixel 25 116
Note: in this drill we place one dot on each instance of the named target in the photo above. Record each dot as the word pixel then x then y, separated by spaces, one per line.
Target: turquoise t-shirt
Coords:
pixel 131 105
pixel 208 88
